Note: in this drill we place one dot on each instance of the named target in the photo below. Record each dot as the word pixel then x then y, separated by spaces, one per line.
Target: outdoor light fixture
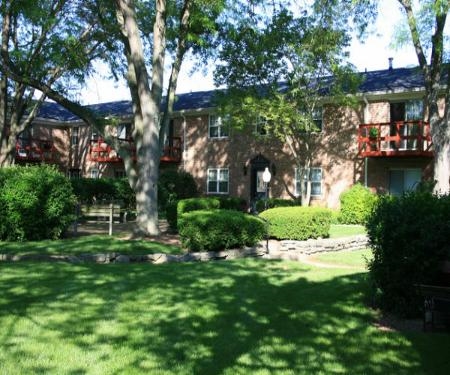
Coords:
pixel 266 179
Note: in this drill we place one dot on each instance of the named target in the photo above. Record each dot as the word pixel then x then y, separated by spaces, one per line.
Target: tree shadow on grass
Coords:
pixel 245 316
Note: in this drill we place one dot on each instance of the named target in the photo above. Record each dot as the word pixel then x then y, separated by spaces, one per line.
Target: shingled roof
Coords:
pixel 389 80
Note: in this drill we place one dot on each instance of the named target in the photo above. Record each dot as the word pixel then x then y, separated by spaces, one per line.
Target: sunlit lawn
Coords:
pixel 348 258
pixel 230 317
pixel 87 245
pixel 337 230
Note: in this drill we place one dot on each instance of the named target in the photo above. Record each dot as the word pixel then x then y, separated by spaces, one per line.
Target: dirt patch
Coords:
pixel 126 231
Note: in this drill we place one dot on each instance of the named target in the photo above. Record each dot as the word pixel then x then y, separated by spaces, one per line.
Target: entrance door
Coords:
pixel 257 187
pixel 403 180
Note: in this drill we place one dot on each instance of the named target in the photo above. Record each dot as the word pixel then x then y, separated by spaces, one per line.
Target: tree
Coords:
pixel 279 69
pixel 426 24
pixel 178 26
pixel 52 42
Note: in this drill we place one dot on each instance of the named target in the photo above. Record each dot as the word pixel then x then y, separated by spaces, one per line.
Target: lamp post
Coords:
pixel 266 178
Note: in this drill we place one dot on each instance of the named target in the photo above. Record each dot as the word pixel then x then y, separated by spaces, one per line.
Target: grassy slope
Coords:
pixel 234 317
pixel 87 244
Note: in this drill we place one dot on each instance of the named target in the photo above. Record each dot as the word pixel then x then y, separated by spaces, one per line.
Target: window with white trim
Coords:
pixel 261 126
pixel 218 180
pixel 216 127
pixel 75 136
pixel 317 116
pixel 94 173
pixel 315 176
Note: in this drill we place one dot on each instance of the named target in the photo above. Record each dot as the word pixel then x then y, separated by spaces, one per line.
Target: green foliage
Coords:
pixel 298 223
pixel 409 239
pixel 213 230
pixel 176 209
pixel 91 190
pixel 35 203
pixel 276 202
pixel 356 205
pixel 174 185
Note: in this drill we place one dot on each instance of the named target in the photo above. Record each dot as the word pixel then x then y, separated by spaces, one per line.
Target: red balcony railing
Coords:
pixel 35 150
pixel 101 152
pixel 399 138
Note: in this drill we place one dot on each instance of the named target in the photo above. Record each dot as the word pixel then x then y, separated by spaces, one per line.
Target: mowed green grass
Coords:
pixel 339 230
pixel 248 316
pixel 87 245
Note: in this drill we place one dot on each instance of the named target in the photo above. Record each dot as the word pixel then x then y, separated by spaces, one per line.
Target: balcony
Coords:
pixel 399 138
pixel 101 152
pixel 35 150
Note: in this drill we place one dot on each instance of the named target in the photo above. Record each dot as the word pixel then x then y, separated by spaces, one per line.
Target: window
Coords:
pixel 122 131
pixel 216 129
pixel 403 180
pixel 414 110
pixel 317 116
pixel 75 136
pixel 218 180
pixel 119 173
pixel 94 173
pixel 261 126
pixel 315 175
pixel 94 136
pixel 74 173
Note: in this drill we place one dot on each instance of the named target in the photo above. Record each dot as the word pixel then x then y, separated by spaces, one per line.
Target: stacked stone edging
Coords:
pixel 325 244
pixel 287 249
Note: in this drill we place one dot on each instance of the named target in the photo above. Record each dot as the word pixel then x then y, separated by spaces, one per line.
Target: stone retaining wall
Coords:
pixel 276 250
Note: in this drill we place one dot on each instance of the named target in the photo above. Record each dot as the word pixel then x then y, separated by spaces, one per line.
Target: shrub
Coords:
pixel 298 223
pixel 356 205
pixel 174 185
pixel 194 204
pixel 276 202
pixel 409 240
pixel 36 203
pixel 91 190
pixel 214 230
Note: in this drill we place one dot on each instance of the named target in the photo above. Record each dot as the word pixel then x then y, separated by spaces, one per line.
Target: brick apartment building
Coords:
pixel 383 143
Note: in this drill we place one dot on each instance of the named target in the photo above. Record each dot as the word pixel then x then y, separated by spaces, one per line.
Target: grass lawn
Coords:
pixel 338 230
pixel 348 258
pixel 231 317
pixel 87 245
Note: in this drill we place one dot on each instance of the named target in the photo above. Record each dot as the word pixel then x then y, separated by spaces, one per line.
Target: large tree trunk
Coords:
pixel 147 121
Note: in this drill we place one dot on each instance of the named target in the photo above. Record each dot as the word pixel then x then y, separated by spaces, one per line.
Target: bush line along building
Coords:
pixel 383 143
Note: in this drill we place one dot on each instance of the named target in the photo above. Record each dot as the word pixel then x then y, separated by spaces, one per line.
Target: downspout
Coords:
pixel 366 160
pixel 184 142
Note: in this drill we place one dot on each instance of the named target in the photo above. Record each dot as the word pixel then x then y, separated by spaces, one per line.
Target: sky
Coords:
pixel 373 54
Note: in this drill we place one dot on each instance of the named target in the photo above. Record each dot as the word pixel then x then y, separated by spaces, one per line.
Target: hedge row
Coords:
pixel 409 237
pixel 177 209
pixel 298 223
pixel 36 203
pixel 215 229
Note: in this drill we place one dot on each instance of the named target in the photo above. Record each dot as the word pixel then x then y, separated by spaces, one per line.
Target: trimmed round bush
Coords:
pixel 409 240
pixel 36 202
pixel 356 205
pixel 298 223
pixel 213 230
pixel 176 209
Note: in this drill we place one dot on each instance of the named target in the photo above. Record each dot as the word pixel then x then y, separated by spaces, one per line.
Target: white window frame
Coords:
pixel 316 118
pixel 260 124
pixel 95 173
pixel 75 136
pixel 296 182
pixel 217 180
pixel 215 121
